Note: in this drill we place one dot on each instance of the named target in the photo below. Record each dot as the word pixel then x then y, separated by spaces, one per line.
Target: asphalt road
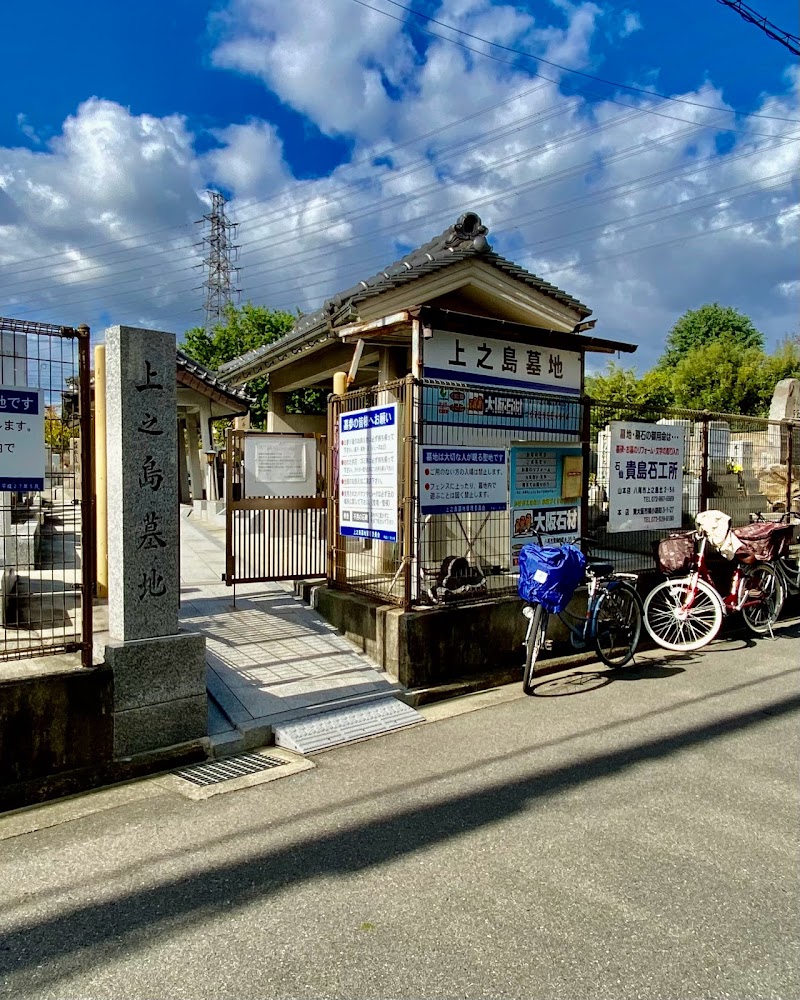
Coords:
pixel 638 839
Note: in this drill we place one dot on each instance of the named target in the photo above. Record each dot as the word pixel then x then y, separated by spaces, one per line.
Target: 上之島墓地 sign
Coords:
pixel 460 357
pixel 462 480
pixel 645 488
pixel 22 452
pixel 368 495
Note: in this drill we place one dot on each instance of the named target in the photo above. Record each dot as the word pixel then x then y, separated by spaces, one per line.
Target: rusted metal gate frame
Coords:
pixel 234 502
pixel 82 335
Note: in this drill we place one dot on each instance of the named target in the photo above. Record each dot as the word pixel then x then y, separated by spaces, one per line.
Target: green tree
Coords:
pixel 706 325
pixel 616 384
pixel 719 376
pixel 57 433
pixel 246 328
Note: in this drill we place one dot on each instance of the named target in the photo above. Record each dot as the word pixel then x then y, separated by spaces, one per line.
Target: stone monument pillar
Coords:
pixel 159 672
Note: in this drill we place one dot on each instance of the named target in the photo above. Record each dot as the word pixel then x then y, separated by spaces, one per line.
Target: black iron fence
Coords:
pixel 46 525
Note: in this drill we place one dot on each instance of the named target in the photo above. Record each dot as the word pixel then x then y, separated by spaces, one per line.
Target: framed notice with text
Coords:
pixel 368 493
pixel 462 480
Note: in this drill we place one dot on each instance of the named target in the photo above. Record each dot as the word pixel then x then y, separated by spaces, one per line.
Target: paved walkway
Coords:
pixel 270 657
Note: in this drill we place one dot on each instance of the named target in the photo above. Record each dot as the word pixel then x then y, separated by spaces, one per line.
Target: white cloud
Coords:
pixel 613 203
pixel 329 63
pixel 630 23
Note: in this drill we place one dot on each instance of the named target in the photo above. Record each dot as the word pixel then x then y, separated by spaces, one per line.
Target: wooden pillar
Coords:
pixel 100 488
pixel 183 469
pixel 195 469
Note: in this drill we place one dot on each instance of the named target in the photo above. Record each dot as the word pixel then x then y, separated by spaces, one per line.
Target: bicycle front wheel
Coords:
pixel 617 623
pixel 763 599
pixel 533 645
pixel 681 618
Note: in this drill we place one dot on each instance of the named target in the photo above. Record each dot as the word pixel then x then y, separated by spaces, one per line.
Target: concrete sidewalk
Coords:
pixel 270 658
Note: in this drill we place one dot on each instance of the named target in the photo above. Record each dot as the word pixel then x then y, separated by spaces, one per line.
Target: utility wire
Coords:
pixel 293 232
pixel 667 212
pixel 275 240
pixel 547 62
pixel 373 155
pixel 180 318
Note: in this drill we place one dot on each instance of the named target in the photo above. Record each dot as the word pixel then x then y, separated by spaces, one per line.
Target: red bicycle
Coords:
pixel 686 612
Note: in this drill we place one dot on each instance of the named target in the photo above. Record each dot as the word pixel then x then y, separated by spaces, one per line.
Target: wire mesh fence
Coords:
pixel 741 465
pixel 46 551
pixel 458 515
pixel 380 566
pixel 478 426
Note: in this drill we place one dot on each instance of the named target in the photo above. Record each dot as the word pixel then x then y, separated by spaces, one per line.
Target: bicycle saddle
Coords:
pixel 600 567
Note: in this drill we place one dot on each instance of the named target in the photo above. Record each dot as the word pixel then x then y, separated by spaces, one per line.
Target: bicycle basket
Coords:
pixel 675 552
pixel 766 540
pixel 550 576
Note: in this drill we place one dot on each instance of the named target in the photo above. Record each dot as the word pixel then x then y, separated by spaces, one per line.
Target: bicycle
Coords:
pixel 780 557
pixel 685 613
pixel 612 623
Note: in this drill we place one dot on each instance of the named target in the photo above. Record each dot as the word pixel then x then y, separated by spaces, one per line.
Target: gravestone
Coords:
pixel 159 672
pixel 785 403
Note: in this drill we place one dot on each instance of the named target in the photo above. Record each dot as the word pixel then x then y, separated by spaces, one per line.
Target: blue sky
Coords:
pixel 346 136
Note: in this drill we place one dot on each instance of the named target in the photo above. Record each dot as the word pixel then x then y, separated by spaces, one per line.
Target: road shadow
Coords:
pixel 38 953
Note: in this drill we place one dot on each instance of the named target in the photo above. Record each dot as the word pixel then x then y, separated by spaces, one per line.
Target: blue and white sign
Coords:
pixel 22 454
pixel 462 480
pixel 459 357
pixel 546 488
pixel 368 493
pixel 528 416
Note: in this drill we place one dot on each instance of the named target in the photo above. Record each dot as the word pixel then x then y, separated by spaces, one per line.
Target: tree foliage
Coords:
pixel 708 324
pixel 716 362
pixel 57 433
pixel 246 328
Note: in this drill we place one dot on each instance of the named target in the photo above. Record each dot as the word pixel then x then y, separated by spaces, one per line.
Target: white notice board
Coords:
pixel 645 488
pixel 280 465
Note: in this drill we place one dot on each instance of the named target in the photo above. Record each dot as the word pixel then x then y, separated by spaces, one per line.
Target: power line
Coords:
pixel 612 227
pixel 555 65
pixel 373 155
pixel 792 42
pixel 425 218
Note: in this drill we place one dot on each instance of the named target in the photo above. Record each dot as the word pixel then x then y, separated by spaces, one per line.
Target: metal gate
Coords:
pixel 275 506
pixel 47 531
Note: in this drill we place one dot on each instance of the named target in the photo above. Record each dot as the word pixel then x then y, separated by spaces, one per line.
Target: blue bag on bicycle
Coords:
pixel 550 576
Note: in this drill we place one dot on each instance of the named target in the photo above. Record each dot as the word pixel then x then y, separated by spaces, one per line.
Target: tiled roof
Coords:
pixel 207 377
pixel 464 240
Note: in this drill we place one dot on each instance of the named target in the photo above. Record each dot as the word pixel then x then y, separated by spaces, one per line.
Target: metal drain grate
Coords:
pixel 215 771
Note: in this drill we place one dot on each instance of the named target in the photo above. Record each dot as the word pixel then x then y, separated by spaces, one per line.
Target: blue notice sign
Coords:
pixel 22 453
pixel 368 492
pixel 462 480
